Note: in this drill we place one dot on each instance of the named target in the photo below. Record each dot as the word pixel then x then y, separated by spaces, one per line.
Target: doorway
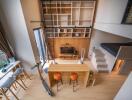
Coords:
pixel 119 63
pixel 39 38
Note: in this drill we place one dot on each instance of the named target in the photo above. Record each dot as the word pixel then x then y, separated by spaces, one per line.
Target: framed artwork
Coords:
pixel 127 18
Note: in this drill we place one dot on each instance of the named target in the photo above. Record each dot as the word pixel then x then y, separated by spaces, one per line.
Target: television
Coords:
pixel 67 50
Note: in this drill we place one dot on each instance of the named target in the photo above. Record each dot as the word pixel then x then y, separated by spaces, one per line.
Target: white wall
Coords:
pixel 31 12
pixel 99 37
pixel 109 16
pixel 125 92
pixel 13 21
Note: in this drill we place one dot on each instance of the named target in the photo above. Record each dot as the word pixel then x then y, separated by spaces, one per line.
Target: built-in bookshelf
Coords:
pixel 68 32
pixel 68 19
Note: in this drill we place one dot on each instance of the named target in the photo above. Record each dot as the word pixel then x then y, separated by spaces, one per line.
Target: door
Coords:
pixel 39 37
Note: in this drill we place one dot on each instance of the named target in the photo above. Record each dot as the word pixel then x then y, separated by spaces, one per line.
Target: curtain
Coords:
pixel 4 45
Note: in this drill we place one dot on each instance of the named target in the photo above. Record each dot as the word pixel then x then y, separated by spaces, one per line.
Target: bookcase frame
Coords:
pixel 68 19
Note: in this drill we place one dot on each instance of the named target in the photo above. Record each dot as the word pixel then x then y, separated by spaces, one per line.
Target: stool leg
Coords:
pixel 73 85
pixel 3 92
pixel 93 82
pixel 23 83
pixel 20 85
pixel 77 81
pixel 61 81
pixel 14 86
pixel 13 94
pixel 57 87
pixel 70 82
pixel 26 74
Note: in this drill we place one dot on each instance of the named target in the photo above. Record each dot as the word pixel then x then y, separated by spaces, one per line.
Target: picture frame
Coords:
pixel 127 18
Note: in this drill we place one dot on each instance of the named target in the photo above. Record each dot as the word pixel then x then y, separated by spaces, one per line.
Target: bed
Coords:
pixel 113 48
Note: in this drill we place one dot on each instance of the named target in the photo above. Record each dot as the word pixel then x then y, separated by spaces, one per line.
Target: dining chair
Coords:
pixel 6 86
pixel 10 81
pixel 19 74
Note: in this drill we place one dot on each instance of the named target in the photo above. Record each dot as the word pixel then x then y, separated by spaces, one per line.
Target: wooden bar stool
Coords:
pixel 17 74
pixel 74 79
pixel 58 78
pixel 7 84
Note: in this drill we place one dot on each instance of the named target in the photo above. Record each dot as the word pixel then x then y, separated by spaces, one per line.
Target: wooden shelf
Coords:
pixel 70 37
pixel 82 7
pixel 70 33
pixel 72 21
pixel 56 14
pixel 68 14
pixel 70 8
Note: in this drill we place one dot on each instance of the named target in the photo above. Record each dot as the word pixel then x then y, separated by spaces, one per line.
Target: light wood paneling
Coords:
pixel 56 43
pixel 81 69
pixel 105 88
pixel 68 67
pixel 125 52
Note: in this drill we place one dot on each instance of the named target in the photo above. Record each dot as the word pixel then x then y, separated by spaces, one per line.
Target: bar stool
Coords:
pixel 58 78
pixel 17 74
pixel 6 85
pixel 22 71
pixel 74 79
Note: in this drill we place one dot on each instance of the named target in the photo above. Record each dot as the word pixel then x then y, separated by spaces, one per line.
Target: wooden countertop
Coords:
pixel 68 67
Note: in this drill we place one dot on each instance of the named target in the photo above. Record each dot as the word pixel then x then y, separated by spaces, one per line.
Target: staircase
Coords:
pixel 99 61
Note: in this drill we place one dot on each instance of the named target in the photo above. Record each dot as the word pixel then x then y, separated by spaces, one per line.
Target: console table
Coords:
pixel 72 56
pixel 66 69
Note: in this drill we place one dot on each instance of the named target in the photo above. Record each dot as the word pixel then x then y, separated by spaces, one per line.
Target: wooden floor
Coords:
pixel 105 88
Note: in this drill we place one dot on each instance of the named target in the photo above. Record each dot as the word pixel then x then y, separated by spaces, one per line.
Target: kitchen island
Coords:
pixel 66 69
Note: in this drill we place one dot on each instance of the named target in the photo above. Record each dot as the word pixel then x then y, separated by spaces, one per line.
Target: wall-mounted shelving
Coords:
pixel 78 14
pixel 68 32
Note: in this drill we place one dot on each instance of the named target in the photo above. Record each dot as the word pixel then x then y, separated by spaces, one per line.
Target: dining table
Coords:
pixel 9 69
